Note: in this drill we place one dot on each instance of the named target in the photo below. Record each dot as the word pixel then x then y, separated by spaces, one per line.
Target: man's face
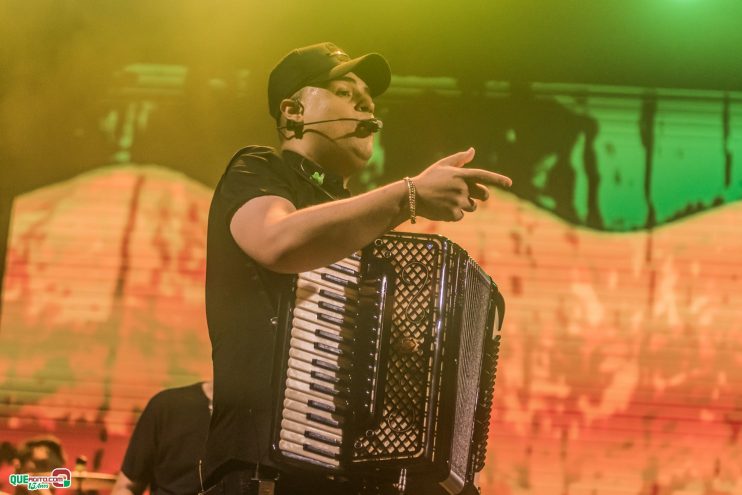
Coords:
pixel 41 460
pixel 337 144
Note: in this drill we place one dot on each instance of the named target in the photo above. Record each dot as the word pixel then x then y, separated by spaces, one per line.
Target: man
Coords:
pixel 41 454
pixel 167 442
pixel 275 213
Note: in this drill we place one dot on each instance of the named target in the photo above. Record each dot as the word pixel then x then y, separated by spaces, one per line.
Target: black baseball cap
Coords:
pixel 321 63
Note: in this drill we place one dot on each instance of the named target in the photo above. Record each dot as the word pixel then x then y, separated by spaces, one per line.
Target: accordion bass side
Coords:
pixel 386 364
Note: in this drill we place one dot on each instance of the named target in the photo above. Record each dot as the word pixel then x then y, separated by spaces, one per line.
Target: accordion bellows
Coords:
pixel 386 361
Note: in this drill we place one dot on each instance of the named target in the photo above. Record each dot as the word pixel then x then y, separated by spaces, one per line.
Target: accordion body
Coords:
pixel 386 364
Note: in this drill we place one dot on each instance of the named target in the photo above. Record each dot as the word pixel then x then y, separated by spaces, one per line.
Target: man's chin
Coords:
pixel 362 153
pixel 360 160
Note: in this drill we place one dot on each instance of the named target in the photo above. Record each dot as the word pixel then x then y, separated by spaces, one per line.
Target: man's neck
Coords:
pixel 296 147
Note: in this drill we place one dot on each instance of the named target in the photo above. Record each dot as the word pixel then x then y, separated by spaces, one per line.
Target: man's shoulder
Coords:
pixel 258 153
pixel 259 161
pixel 173 396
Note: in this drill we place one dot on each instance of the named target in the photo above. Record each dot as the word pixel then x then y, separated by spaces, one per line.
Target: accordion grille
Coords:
pixel 473 325
pixel 401 432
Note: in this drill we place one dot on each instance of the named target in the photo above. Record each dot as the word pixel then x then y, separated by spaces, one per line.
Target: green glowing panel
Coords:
pixel 688 157
pixel 734 148
pixel 620 156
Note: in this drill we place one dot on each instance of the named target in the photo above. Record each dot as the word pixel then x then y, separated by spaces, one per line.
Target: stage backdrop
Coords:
pixel 617 251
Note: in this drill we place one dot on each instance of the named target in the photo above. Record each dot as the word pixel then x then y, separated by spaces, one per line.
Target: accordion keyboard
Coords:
pixel 317 392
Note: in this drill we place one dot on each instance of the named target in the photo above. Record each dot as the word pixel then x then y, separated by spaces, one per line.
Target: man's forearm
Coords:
pixel 322 234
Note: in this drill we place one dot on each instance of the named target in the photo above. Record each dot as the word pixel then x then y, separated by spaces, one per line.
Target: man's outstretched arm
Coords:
pixel 276 235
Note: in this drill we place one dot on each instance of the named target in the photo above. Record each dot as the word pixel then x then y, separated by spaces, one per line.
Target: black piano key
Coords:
pixel 332 379
pixel 339 281
pixel 344 269
pixel 322 406
pixel 336 309
pixel 325 421
pixel 324 390
pixel 325 377
pixel 313 435
pixel 334 321
pixel 331 336
pixel 328 294
pixel 325 365
pixel 328 349
pixel 321 452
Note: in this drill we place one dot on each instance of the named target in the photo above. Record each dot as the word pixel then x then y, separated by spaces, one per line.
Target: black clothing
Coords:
pixel 241 301
pixel 168 440
pixel 241 482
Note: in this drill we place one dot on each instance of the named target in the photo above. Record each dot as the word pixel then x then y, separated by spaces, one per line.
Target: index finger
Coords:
pixel 485 177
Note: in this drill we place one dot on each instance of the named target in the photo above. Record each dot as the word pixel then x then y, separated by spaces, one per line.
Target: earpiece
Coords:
pixel 292 125
pixel 298 104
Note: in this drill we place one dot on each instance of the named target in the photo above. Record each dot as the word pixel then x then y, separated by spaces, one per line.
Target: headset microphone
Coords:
pixel 297 127
pixel 368 126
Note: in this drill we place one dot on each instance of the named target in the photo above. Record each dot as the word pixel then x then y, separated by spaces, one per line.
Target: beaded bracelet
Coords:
pixel 411 195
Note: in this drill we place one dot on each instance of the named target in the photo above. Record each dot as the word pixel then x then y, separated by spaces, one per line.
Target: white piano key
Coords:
pixel 313 307
pixel 338 405
pixel 312 318
pixel 302 419
pixel 326 388
pixel 315 416
pixel 303 386
pixel 299 450
pixel 348 307
pixel 303 429
pixel 333 280
pixel 304 285
pixel 350 263
pixel 311 337
pixel 319 362
pixel 346 335
pixel 300 439
pixel 308 367
pixel 342 361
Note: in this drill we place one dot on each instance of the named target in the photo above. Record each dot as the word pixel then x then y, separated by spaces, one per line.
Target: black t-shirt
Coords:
pixel 168 440
pixel 242 299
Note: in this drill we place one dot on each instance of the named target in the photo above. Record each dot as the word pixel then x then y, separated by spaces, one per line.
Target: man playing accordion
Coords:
pixel 277 212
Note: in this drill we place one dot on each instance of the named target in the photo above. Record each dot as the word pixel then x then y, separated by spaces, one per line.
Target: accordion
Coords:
pixel 386 364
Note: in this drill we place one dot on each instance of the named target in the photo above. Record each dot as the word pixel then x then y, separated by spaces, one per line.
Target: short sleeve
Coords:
pixel 141 454
pixel 251 175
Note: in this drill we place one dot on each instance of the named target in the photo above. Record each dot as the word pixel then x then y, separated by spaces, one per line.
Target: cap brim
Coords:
pixel 372 68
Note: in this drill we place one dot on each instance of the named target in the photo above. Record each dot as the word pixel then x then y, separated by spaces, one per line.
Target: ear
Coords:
pixel 292 109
